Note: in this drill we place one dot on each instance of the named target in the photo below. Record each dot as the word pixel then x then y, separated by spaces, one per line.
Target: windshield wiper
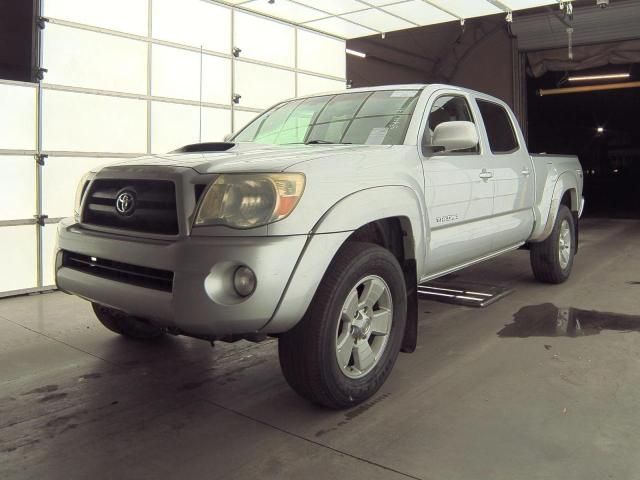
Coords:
pixel 325 142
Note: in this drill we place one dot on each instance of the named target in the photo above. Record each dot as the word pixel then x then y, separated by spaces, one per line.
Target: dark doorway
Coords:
pixel 17 24
pixel 602 128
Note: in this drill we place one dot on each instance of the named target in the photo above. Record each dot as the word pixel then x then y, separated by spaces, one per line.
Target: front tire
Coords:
pixel 126 325
pixel 552 260
pixel 345 347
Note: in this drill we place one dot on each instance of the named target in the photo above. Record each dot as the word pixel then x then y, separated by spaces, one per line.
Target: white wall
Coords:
pixel 134 77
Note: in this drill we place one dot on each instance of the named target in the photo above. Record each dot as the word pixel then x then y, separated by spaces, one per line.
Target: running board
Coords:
pixel 467 294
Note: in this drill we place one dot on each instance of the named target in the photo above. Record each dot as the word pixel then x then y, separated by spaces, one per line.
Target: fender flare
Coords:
pixel 329 234
pixel 369 205
pixel 566 182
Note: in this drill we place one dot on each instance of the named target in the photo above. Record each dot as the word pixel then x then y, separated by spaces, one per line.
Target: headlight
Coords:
pixel 80 191
pixel 250 200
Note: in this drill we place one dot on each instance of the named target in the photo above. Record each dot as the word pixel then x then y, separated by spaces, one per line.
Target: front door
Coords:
pixel 458 189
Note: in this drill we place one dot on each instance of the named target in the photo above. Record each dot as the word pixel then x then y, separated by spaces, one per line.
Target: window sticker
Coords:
pixel 403 94
pixel 377 136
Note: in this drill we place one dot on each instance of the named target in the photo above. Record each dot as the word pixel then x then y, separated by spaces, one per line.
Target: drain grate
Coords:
pixel 469 294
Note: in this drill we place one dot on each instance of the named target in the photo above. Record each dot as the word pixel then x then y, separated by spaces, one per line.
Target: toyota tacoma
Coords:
pixel 315 223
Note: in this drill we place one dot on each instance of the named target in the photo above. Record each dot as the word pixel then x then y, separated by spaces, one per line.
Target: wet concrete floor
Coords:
pixel 547 320
pixel 543 384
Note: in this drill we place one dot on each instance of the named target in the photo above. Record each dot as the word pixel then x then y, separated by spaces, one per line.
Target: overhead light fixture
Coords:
pixel 607 76
pixel 356 53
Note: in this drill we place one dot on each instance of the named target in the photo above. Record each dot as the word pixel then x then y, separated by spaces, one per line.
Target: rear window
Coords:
pixel 502 137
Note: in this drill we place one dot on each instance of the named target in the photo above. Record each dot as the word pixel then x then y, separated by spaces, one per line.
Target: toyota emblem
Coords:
pixel 125 203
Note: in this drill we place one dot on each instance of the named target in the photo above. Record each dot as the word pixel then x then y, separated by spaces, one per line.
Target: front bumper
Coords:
pixel 202 301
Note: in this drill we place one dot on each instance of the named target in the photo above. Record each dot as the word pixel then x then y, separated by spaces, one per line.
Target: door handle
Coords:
pixel 526 172
pixel 485 175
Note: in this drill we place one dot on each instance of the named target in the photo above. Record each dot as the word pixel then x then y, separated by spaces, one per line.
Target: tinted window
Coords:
pixel 365 118
pixel 448 108
pixel 502 138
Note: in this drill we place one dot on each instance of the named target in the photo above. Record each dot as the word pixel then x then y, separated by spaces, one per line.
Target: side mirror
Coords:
pixel 452 136
pixel 227 137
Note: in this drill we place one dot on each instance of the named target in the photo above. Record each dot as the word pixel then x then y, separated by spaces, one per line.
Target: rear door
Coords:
pixel 458 189
pixel 514 191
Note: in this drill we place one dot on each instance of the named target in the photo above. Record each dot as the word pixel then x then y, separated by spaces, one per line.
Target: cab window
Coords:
pixel 502 137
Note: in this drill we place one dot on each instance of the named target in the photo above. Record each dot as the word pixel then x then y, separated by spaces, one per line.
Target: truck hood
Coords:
pixel 249 157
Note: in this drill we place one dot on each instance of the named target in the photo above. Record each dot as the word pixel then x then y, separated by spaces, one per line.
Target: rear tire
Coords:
pixel 126 325
pixel 552 260
pixel 346 345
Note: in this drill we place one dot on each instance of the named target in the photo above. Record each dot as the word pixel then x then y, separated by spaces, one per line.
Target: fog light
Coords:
pixel 244 281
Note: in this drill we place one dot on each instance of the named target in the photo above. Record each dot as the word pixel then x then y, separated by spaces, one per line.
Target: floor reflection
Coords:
pixel 547 320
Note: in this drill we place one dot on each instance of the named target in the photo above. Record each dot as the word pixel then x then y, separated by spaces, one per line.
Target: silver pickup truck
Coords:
pixel 315 224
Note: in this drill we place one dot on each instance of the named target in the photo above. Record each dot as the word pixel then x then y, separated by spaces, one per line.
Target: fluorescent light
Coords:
pixel 600 129
pixel 599 77
pixel 356 53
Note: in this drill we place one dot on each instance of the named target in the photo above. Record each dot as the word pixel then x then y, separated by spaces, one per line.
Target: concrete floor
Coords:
pixel 79 402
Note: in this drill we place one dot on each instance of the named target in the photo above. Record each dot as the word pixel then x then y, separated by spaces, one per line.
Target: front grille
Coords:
pixel 151 205
pixel 120 272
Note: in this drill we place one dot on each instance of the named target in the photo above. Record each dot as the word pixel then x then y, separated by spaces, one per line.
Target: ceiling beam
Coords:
pixel 443 9
pixel 389 13
pixel 500 5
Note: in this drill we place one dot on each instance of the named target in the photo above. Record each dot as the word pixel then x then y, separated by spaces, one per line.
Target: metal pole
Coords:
pixel 233 70
pixel 149 47
pixel 38 164
pixel 295 59
pixel 200 116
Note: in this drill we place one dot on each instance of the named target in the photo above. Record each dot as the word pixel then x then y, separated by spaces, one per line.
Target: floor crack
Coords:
pixel 60 341
pixel 313 442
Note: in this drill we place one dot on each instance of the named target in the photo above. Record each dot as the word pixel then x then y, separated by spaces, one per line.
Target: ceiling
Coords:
pixel 359 18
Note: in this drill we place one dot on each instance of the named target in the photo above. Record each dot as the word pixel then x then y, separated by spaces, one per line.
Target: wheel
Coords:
pixel 552 259
pixel 344 348
pixel 120 322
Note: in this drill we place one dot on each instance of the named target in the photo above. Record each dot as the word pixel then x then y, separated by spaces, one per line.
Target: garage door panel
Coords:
pixel 69 54
pixel 216 80
pixel 18 247
pixel 311 84
pixel 250 33
pixel 173 126
pixel 318 53
pixel 102 13
pixel 193 22
pixel 175 73
pixel 17 117
pixel 261 87
pixel 17 187
pixel 80 122
pixel 216 123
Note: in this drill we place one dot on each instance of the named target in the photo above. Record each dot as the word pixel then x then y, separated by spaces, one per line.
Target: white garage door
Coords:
pixel 132 77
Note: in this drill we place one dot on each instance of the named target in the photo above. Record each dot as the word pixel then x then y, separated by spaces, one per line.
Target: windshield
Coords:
pixel 363 118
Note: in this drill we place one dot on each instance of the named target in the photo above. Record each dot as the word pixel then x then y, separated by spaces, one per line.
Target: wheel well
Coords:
pixel 393 234
pixel 570 200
